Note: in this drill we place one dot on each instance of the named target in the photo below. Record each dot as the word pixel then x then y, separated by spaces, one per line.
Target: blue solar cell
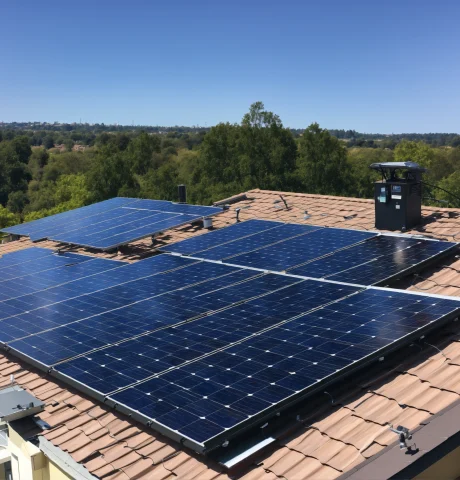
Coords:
pixel 35 228
pixel 118 366
pixel 221 236
pixel 21 256
pixel 145 316
pixel 108 224
pixel 37 270
pixel 298 250
pixel 213 397
pixel 101 234
pixel 269 238
pixel 41 306
pixel 96 223
pixel 39 282
pixel 183 208
pixel 374 260
pixel 34 260
pixel 383 268
pixel 107 243
pixel 35 313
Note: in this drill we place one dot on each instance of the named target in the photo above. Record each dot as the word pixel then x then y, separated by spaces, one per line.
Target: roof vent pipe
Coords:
pixel 182 191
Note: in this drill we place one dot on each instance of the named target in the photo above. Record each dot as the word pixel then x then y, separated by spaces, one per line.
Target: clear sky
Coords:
pixel 388 66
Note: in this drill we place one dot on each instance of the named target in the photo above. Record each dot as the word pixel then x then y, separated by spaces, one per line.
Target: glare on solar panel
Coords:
pixel 376 260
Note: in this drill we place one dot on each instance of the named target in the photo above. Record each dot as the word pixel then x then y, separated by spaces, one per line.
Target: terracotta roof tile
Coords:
pixel 259 473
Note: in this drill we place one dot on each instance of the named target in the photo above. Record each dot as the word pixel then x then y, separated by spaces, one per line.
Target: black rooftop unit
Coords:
pixel 398 198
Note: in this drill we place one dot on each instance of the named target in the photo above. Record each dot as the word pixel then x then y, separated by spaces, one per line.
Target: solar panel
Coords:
pixel 35 229
pixel 208 401
pixel 267 238
pixel 155 313
pixel 107 225
pixel 279 298
pixel 375 260
pixel 215 238
pixel 31 314
pixel 203 350
pixel 298 250
pixel 44 304
pixel 35 270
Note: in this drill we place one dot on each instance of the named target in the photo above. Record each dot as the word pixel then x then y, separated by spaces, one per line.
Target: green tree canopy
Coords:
pixel 323 163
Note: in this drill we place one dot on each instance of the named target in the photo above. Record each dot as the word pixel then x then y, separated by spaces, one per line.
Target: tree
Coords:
pixel 323 163
pixel 362 177
pixel 110 175
pixel 72 189
pixel 38 161
pixel 17 201
pixel 7 219
pixel 259 153
pixel 450 184
pixel 418 152
pixel 48 142
pixel 268 150
pixel 141 150
pixel 22 148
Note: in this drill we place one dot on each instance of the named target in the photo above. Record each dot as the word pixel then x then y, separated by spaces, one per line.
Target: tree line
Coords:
pixel 258 152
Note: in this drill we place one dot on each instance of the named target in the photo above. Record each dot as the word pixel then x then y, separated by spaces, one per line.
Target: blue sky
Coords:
pixel 389 66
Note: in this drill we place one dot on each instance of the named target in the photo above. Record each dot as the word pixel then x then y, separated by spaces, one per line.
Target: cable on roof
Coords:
pixel 443 189
pixel 439 350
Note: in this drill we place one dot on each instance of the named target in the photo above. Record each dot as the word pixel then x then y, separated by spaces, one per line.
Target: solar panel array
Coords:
pixel 207 399
pixel 112 223
pixel 203 350
pixel 352 256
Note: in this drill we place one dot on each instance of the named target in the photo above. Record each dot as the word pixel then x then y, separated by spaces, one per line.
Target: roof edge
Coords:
pixel 64 461
pixel 432 440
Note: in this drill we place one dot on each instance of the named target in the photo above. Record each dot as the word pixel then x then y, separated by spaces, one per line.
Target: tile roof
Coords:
pixel 322 444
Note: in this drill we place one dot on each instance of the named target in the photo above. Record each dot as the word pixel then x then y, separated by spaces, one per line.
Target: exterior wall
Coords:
pixel 2 472
pixel 55 473
pixel 21 457
pixel 448 468
pixel 29 461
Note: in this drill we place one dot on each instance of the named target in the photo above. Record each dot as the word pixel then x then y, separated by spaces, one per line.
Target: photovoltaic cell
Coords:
pixel 298 250
pixel 35 229
pixel 55 345
pixel 35 270
pixel 35 313
pixel 218 237
pixel 108 224
pixel 214 397
pixel 31 254
pixel 118 366
pixel 385 267
pixel 374 260
pixel 267 238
